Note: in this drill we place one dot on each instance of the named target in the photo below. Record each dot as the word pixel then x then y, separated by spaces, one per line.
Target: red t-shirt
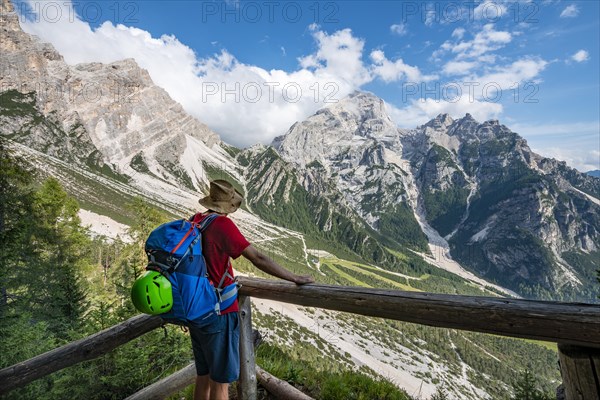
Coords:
pixel 221 240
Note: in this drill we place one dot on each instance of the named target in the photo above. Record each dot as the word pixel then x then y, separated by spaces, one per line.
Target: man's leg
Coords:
pixel 202 390
pixel 219 391
pixel 221 351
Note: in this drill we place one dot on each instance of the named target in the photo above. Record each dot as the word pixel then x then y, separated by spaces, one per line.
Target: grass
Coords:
pixel 399 255
pixel 372 272
pixel 548 345
pixel 346 276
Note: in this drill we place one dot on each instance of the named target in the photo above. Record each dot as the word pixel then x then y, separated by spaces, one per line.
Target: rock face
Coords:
pixel 118 105
pixel 524 221
pixel 508 213
pixel 300 199
pixel 21 121
pixel 354 148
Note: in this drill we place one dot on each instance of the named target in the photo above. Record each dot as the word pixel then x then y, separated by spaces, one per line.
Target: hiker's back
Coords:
pixel 221 241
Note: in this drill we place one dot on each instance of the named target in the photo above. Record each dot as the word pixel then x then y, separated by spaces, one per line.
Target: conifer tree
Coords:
pixel 133 258
pixel 62 247
pixel 526 388
pixel 16 199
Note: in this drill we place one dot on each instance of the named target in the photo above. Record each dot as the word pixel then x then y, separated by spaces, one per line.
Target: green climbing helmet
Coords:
pixel 151 293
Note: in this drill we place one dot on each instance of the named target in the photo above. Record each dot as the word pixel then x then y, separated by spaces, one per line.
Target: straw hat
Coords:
pixel 223 197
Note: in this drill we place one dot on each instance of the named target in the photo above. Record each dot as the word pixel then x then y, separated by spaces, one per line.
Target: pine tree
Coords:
pixel 133 259
pixel 147 218
pixel 16 199
pixel 526 388
pixel 62 246
pixel 23 333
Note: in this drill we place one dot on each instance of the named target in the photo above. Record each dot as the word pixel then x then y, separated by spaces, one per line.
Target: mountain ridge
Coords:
pixel 448 186
pixel 105 99
pixel 439 170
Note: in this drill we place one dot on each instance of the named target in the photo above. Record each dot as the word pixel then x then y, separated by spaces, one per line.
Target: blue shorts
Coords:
pixel 216 348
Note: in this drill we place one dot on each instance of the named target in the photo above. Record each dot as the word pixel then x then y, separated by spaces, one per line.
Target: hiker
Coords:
pixel 216 350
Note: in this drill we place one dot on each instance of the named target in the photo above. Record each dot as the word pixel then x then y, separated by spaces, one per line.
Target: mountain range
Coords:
pixel 454 205
pixel 451 190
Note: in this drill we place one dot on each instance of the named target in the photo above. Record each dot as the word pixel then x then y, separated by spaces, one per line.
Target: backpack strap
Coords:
pixel 226 274
pixel 201 227
pixel 207 221
pixel 232 293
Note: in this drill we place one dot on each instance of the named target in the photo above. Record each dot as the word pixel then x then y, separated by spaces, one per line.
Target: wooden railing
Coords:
pixel 574 326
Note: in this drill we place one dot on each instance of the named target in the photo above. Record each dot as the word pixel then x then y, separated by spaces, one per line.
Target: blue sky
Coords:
pixel 531 64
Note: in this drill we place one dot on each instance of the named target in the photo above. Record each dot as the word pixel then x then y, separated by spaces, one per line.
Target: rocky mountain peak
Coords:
pixel 355 122
pixel 25 58
pixel 9 20
pixel 122 110
pixel 6 6
pixel 464 127
pixel 468 119
pixel 365 109
pixel 442 121
pixel 367 104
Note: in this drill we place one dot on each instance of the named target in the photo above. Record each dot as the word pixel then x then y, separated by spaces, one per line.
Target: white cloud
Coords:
pixel 392 71
pixel 459 67
pixel 399 29
pixel 420 111
pixel 430 16
pixel 558 129
pixel 488 58
pixel 477 66
pixel 570 11
pixel 507 76
pixel 338 55
pixel 484 41
pixel 581 56
pixel 458 33
pixel 577 143
pixel 490 10
pixel 582 159
pixel 334 70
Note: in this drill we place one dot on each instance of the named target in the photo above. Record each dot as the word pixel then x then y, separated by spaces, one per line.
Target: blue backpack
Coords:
pixel 175 250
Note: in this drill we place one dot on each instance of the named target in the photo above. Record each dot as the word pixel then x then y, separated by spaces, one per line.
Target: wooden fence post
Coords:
pixel 580 370
pixel 247 383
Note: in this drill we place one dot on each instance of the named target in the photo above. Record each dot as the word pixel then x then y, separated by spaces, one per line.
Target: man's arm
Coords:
pixel 269 266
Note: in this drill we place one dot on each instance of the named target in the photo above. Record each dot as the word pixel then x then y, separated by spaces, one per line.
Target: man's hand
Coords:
pixel 269 266
pixel 303 279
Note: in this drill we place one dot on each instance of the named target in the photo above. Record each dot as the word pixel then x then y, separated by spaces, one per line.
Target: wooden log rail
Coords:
pixel 574 326
pixel 93 346
pixel 167 386
pixel 187 376
pixel 570 323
